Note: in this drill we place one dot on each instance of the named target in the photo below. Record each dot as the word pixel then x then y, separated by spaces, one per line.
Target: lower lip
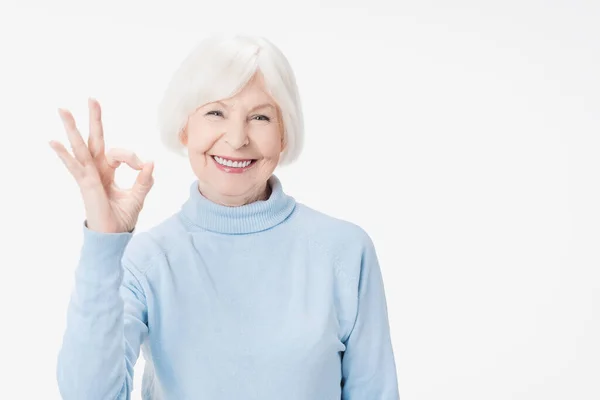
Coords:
pixel 232 170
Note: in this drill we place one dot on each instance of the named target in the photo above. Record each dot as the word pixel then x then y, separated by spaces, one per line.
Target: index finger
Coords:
pixel 96 136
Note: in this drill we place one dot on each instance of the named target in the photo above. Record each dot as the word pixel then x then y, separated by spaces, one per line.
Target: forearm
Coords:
pixel 91 362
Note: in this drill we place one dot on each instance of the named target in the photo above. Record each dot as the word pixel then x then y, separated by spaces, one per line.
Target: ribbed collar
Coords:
pixel 249 218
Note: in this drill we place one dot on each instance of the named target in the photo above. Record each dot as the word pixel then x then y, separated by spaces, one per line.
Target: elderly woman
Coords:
pixel 243 293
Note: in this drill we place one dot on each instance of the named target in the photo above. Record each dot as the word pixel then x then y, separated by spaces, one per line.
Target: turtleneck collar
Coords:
pixel 253 217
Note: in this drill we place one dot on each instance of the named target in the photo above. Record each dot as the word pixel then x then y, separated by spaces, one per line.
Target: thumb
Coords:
pixel 144 181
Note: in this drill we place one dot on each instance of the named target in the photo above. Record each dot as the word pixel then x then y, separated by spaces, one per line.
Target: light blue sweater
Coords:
pixel 271 300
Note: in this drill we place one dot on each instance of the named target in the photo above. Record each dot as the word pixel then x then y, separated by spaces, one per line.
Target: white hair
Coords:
pixel 218 67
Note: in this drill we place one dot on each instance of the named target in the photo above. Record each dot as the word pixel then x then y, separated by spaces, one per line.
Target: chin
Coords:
pixel 233 185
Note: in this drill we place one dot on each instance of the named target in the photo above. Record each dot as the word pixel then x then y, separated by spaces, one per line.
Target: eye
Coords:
pixel 261 118
pixel 215 112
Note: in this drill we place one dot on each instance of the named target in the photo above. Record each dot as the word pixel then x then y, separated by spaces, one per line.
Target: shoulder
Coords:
pixel 345 244
pixel 319 224
pixel 147 248
pixel 333 233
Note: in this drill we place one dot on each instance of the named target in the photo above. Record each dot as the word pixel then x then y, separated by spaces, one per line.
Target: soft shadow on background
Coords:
pixel 463 136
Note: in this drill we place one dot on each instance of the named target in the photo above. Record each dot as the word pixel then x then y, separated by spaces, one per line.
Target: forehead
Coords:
pixel 253 93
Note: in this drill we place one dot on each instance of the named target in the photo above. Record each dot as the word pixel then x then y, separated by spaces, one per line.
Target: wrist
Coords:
pixel 103 228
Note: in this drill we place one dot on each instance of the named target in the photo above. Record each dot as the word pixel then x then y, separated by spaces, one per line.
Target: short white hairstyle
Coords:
pixel 218 67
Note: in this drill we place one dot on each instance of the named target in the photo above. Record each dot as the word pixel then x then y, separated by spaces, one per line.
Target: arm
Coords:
pixel 368 366
pixel 106 323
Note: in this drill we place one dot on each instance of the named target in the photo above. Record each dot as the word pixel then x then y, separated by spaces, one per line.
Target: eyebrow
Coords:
pixel 263 105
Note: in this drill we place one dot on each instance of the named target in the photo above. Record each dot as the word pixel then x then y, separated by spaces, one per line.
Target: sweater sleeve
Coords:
pixel 106 322
pixel 368 365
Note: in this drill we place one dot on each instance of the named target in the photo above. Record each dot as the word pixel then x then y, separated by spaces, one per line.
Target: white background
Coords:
pixel 463 136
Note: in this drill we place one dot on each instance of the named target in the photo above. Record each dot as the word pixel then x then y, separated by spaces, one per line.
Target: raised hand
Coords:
pixel 108 208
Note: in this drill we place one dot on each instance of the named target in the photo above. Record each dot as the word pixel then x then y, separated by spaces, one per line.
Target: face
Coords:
pixel 234 145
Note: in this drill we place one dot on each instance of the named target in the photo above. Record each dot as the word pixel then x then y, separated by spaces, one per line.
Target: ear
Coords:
pixel 282 132
pixel 183 137
pixel 283 143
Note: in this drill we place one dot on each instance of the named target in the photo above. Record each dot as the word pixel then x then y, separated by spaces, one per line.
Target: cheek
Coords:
pixel 200 138
pixel 268 142
pixel 199 144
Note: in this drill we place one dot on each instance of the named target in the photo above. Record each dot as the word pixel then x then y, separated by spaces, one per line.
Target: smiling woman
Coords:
pixel 235 98
pixel 242 293
pixel 246 134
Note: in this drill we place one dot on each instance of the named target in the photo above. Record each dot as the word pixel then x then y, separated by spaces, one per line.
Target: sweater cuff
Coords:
pixel 100 247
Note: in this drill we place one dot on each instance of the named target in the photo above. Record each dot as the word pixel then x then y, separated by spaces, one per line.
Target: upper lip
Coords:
pixel 233 158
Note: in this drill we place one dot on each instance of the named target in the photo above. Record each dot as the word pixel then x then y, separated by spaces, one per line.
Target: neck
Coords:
pixel 201 212
pixel 260 193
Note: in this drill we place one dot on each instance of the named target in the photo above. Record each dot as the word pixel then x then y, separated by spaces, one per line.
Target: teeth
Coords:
pixel 232 164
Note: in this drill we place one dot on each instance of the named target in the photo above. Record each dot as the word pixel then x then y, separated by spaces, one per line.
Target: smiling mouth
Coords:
pixel 233 163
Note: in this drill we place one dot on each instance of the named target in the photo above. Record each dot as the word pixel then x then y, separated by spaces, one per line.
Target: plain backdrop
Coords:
pixel 462 136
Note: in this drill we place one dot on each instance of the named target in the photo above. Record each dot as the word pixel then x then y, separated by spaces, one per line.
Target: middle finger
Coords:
pixel 80 150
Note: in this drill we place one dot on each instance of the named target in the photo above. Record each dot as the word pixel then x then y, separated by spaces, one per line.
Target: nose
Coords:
pixel 236 135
